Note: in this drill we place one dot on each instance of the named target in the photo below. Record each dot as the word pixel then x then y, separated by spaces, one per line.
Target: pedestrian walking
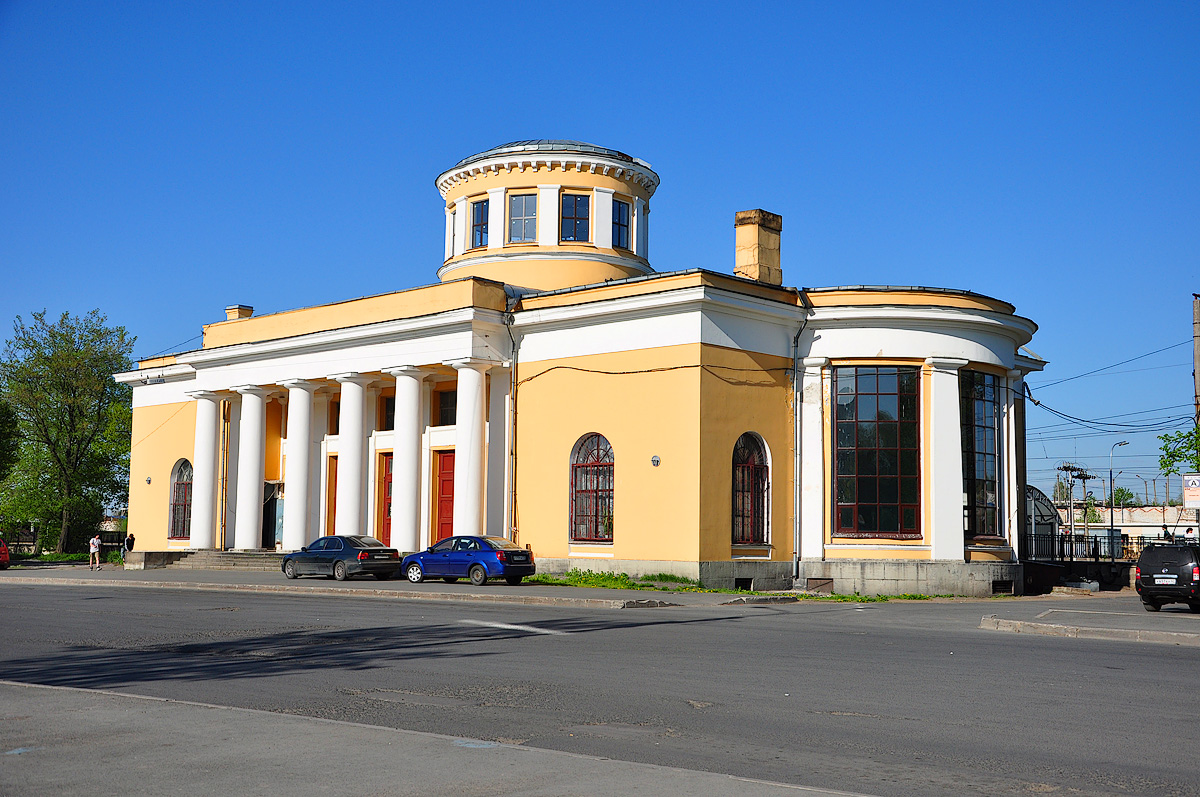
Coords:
pixel 94 552
pixel 126 546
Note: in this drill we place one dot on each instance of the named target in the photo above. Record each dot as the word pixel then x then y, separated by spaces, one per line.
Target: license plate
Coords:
pixel 520 558
pixel 1164 579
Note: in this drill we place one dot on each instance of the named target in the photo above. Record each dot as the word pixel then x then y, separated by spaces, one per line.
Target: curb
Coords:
pixel 353 592
pixel 992 623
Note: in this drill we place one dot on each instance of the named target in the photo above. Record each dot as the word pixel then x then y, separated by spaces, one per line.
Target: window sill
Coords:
pixel 875 535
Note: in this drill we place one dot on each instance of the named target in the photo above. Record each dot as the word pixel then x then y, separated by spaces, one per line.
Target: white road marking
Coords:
pixel 1087 611
pixel 510 627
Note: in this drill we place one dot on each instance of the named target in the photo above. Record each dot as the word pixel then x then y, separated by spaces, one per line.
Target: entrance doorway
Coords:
pixel 443 477
pixel 385 490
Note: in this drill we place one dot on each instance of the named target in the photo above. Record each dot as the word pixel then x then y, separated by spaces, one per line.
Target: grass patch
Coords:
pixel 669 578
pixel 48 557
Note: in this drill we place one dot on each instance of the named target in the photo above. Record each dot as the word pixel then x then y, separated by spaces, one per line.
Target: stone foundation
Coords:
pixel 896 577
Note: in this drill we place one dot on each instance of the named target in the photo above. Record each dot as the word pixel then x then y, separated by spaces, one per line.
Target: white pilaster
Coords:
pixel 449 233
pixel 204 470
pixel 298 464
pixel 1012 501
pixel 641 230
pixel 252 446
pixel 497 452
pixel 813 488
pixel 462 225
pixel 348 510
pixel 943 480
pixel 547 224
pixel 602 216
pixel 496 227
pixel 468 446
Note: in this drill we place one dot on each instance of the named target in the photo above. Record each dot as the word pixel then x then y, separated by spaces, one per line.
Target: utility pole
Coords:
pixel 1196 355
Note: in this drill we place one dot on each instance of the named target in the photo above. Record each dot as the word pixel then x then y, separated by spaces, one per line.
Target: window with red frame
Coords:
pixel 749 491
pixel 181 500
pixel 592 490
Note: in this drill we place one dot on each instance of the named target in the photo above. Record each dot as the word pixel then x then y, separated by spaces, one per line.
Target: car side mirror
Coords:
pixel 304 549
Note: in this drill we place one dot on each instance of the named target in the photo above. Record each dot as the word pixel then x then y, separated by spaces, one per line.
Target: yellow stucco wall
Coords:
pixel 743 392
pixel 544 274
pixel 656 510
pixel 356 312
pixel 162 435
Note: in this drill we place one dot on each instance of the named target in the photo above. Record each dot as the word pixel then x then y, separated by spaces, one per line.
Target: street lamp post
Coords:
pixel 1112 501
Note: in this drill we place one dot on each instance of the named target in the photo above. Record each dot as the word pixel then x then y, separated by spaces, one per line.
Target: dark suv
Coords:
pixel 1169 574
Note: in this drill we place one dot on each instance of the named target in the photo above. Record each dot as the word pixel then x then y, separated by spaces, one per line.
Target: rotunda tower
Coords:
pixel 547 214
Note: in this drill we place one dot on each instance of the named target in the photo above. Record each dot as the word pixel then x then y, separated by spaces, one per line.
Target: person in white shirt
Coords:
pixel 94 553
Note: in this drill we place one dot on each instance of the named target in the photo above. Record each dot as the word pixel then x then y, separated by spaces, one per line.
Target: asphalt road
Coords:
pixel 892 699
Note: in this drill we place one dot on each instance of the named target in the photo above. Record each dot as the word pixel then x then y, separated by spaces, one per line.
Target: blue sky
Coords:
pixel 162 160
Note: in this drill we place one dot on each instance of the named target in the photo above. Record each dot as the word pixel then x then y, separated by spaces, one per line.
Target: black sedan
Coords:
pixel 341 557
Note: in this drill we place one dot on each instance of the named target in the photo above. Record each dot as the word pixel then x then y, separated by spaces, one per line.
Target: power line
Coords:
pixel 1114 365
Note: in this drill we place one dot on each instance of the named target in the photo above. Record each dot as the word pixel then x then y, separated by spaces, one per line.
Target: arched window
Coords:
pixel 592 490
pixel 181 500
pixel 750 480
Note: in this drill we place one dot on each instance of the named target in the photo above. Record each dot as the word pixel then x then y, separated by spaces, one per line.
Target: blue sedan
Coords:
pixel 341 557
pixel 476 558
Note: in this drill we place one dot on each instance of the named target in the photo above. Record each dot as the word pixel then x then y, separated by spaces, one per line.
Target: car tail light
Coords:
pixel 503 557
pixel 363 555
pixel 395 555
pixel 1137 571
pixel 1195 573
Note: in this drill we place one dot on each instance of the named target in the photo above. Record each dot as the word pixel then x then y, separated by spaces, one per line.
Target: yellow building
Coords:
pixel 553 388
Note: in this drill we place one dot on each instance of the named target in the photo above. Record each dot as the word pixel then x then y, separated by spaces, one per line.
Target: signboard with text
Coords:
pixel 1191 491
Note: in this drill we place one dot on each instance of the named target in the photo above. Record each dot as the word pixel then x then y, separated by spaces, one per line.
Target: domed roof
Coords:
pixel 550 145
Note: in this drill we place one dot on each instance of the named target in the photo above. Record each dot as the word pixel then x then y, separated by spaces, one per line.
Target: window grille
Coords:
pixel 592 490
pixel 749 491
pixel 181 501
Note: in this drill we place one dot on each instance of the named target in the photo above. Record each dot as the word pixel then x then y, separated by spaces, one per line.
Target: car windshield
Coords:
pixel 501 542
pixel 364 542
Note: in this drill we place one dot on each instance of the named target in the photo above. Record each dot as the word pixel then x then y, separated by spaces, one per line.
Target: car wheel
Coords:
pixel 513 581
pixel 383 576
pixel 414 574
pixel 478 575
pixel 289 568
pixel 451 579
pixel 1151 606
pixel 339 571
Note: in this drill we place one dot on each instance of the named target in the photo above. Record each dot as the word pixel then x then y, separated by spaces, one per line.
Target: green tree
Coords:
pixel 8 439
pixel 1180 449
pixel 1123 496
pixel 1062 491
pixel 73 419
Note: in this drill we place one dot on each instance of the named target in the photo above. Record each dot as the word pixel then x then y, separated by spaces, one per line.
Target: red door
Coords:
pixel 385 489
pixel 443 469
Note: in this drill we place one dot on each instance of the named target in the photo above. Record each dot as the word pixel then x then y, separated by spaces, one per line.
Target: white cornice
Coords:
pixel 536 161
pixel 494 256
pixel 907 316
pixel 384 331
pixel 159 374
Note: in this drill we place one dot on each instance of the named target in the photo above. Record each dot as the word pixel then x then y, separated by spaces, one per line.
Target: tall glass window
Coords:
pixel 592 490
pixel 877 464
pixel 181 501
pixel 575 215
pixel 479 223
pixel 749 491
pixel 979 413
pixel 620 224
pixel 522 218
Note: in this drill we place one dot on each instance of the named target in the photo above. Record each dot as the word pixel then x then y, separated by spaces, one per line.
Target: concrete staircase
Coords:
pixel 263 561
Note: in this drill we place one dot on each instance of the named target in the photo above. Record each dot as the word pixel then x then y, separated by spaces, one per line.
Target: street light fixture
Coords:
pixel 1112 500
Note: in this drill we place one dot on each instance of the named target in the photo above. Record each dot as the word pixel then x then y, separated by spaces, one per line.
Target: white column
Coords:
pixel 204 470
pixel 602 213
pixel 547 222
pixel 449 233
pixel 298 463
pixel 497 452
pixel 1012 502
pixel 252 446
pixel 943 482
pixel 316 471
pixel 348 514
pixel 468 447
pixel 640 231
pixel 462 225
pixel 406 458
pixel 813 489
pixel 496 229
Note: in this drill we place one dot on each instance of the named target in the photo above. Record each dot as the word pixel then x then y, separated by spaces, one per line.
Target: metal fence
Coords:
pixel 1085 547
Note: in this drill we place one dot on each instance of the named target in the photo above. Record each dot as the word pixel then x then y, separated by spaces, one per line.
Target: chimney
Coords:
pixel 235 311
pixel 756 246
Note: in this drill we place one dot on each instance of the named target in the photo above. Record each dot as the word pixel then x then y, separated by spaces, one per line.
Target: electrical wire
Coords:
pixel 1114 365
